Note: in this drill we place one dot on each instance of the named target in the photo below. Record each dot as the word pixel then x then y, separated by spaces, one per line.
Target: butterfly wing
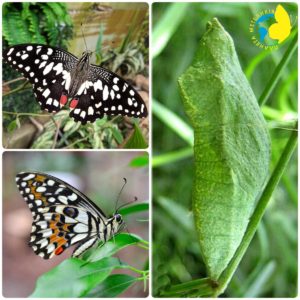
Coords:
pixel 62 216
pixel 282 29
pixel 47 69
pixel 106 93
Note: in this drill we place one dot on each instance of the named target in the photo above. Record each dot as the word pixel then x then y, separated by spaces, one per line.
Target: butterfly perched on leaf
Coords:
pixel 63 216
pixel 58 78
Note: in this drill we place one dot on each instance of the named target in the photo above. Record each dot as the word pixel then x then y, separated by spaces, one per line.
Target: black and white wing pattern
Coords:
pixel 62 216
pixel 57 77
pixel 104 92
pixel 47 68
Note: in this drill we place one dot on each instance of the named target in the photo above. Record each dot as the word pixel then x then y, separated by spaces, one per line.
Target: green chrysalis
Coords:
pixel 231 146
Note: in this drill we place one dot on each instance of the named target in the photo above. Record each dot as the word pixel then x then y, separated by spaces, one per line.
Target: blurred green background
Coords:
pixel 97 175
pixel 269 268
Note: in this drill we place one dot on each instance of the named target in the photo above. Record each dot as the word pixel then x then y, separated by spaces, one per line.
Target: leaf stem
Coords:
pixel 276 75
pixel 187 287
pixel 18 89
pixel 258 213
pixel 25 114
pixel 13 80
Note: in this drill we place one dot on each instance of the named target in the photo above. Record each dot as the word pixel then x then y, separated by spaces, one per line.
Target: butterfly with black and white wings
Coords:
pixel 63 216
pixel 59 77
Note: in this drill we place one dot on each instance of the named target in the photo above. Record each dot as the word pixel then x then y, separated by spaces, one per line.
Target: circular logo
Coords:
pixel 270 27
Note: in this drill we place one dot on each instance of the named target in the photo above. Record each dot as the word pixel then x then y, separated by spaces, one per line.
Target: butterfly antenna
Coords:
pixel 118 198
pixel 82 32
pixel 135 199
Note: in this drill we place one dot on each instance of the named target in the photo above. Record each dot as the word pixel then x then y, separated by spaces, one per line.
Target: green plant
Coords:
pixel 179 276
pixel 45 23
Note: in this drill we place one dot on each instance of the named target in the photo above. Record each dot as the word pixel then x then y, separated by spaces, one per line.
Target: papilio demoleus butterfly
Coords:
pixel 58 76
pixel 63 216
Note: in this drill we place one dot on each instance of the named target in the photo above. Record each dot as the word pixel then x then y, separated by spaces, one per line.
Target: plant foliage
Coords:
pixel 179 270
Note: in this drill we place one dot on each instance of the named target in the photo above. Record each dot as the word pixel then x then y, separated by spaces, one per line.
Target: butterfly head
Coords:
pixel 87 53
pixel 117 222
pixel 118 218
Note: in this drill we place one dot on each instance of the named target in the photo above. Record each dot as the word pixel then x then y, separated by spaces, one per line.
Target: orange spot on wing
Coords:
pixel 40 178
pixel 66 227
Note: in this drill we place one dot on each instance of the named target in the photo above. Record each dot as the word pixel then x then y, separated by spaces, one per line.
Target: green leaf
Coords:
pixel 232 147
pixel 139 207
pixel 174 122
pixel 12 126
pixel 74 278
pixel 136 141
pixel 140 161
pixel 112 286
pixel 117 135
pixel 111 247
pixel 167 25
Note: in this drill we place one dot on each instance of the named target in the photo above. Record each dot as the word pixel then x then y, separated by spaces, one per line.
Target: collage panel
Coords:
pixel 75 224
pixel 75 75
pixel 108 193
pixel 225 221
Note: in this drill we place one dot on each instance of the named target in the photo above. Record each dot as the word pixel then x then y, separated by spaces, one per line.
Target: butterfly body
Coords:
pixel 58 76
pixel 63 216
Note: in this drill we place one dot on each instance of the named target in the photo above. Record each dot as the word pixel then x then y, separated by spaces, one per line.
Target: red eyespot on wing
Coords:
pixel 73 103
pixel 59 250
pixel 63 99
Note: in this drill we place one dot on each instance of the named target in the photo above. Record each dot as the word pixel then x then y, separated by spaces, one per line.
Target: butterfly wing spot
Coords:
pixel 48 68
pixel 43 64
pixel 70 212
pixel 105 93
pixel 59 251
pixel 46 93
pixel 63 99
pixel 49 51
pixel 38 50
pixel 24 56
pixel 67 79
pixel 83 114
pixel 10 51
pixel 58 68
pixel 98 85
pixel 115 87
pixel 73 103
